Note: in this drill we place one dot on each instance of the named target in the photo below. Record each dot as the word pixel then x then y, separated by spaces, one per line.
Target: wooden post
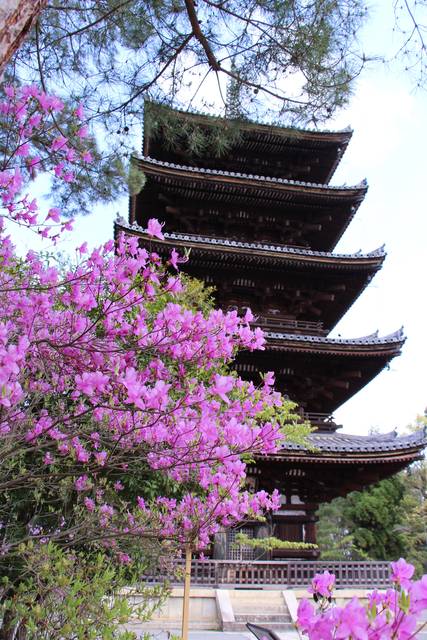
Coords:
pixel 186 599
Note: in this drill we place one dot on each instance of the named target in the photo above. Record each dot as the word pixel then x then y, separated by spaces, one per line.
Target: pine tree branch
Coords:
pixel 200 36
pixel 89 25
pixel 158 75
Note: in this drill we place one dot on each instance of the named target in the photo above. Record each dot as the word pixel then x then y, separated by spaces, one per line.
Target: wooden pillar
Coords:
pixel 186 598
pixel 310 531
pixel 220 546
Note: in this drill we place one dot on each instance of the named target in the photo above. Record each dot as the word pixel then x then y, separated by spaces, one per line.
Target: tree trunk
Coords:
pixel 16 19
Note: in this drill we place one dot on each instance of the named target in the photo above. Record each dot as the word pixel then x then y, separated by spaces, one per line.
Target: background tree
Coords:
pixel 364 525
pixel 382 522
pixel 413 528
pixel 334 533
pixel 291 61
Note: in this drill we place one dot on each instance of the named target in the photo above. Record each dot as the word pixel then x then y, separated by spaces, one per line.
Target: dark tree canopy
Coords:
pixel 364 524
pixel 383 522
pixel 290 61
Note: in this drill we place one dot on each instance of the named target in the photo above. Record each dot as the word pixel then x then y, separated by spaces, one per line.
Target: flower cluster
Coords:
pixel 392 613
pixel 119 416
pixel 107 378
pixel 34 141
pixel 322 585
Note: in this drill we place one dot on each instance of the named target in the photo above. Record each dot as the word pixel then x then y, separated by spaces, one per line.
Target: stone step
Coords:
pixel 248 610
pixel 262 617
pixel 256 596
pixel 277 626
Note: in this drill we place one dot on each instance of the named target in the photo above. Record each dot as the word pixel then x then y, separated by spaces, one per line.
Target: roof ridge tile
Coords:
pixel 361 186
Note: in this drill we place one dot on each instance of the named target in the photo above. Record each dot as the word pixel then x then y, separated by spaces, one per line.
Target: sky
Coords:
pixel 389 149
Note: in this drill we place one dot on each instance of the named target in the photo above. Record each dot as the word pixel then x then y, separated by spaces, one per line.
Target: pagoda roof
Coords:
pixel 306 203
pixel 323 136
pixel 320 373
pixel 289 275
pixel 347 463
pixel 261 252
pixel 386 444
pixel 304 151
pixel 367 345
pixel 212 175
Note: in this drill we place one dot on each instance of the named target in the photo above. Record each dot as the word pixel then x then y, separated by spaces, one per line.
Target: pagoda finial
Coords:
pixel 233 106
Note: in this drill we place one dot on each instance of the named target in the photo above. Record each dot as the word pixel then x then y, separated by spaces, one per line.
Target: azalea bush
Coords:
pixel 67 594
pixel 120 421
pixel 392 613
pixel 38 134
pixel 105 377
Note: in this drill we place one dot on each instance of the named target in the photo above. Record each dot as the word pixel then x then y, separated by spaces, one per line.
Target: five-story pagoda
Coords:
pixel 262 221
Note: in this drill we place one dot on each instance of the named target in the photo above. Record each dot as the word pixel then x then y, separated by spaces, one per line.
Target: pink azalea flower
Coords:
pixel 222 385
pixel 32 162
pixel 269 379
pixel 59 143
pixel 68 176
pixel 83 132
pixel 58 169
pixel 48 459
pixel 101 458
pixel 174 258
pixel 35 120
pixel 154 229
pixel 323 584
pixel 174 285
pixel 353 622
pixel 124 558
pixel 89 504
pixel 81 484
pixel 402 572
pixel 305 615
pixel 23 150
pixel 79 112
pixel 418 594
pixel 248 317
pixel 405 627
pixel 68 225
pixel 54 214
pixel 70 155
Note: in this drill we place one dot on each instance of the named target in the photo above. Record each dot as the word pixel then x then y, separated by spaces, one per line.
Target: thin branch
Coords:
pixel 200 36
pixel 149 84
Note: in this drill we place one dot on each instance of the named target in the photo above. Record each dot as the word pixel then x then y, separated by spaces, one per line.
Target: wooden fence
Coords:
pixel 286 573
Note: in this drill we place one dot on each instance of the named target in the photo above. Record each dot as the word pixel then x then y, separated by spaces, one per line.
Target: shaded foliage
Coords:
pixel 364 524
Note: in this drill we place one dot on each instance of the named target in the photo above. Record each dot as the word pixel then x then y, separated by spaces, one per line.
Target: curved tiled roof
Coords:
pixel 347 132
pixel 382 349
pixel 266 180
pixel 379 252
pixel 396 337
pixel 345 443
pixel 278 251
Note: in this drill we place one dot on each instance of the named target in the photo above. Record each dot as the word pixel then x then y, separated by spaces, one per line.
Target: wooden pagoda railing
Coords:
pixel 322 421
pixel 280 574
pixel 287 324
